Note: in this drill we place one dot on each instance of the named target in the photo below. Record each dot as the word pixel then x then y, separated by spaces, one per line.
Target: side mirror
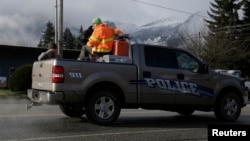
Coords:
pixel 203 68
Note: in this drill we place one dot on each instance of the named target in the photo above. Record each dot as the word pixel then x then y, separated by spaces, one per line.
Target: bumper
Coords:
pixel 45 97
pixel 245 98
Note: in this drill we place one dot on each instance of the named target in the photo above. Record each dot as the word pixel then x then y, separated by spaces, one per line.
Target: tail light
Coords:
pixel 57 74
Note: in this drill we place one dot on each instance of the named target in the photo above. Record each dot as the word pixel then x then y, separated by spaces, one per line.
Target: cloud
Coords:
pixel 19 29
pixel 22 20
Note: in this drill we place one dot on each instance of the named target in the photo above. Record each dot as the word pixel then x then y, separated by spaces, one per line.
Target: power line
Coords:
pixel 240 27
pixel 172 9
pixel 232 28
pixel 176 10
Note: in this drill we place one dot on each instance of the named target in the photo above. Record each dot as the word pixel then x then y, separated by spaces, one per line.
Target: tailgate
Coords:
pixel 42 75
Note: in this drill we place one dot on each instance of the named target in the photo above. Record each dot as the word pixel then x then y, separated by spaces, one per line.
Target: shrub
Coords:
pixel 21 79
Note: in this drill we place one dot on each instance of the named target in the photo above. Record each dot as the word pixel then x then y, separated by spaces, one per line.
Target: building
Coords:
pixel 12 57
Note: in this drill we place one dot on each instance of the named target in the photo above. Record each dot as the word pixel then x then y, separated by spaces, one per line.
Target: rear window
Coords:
pixel 160 57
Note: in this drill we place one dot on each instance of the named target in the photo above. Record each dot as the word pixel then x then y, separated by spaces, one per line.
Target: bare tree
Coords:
pixel 217 50
pixel 222 52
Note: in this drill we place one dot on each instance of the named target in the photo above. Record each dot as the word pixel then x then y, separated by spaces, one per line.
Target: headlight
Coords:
pixel 247 84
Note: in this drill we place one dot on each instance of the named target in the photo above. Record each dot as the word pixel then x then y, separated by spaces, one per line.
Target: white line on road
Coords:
pixel 60 114
pixel 29 115
pixel 103 134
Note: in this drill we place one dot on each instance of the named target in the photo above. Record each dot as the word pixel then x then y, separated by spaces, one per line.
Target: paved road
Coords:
pixel 47 123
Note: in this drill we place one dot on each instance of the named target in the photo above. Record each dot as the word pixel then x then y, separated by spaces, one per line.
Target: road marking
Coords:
pixel 29 115
pixel 102 134
pixel 43 115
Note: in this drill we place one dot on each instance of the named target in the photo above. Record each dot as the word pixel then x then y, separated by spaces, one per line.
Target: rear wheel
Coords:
pixel 103 108
pixel 72 111
pixel 228 107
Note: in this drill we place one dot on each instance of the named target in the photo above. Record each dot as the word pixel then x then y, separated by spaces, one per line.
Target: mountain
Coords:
pixel 168 31
pixel 157 32
pixel 194 24
pixel 23 30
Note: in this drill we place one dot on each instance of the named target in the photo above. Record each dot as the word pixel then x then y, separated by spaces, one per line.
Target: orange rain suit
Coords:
pixel 102 38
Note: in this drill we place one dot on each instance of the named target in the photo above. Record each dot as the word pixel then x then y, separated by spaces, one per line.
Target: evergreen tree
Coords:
pixel 40 44
pixel 224 17
pixel 79 38
pixel 223 43
pixel 47 35
pixel 246 22
pixel 246 11
pixel 245 38
pixel 80 31
pixel 68 39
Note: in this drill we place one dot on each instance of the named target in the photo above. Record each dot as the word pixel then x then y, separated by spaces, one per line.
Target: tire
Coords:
pixel 228 107
pixel 72 111
pixel 103 108
pixel 186 112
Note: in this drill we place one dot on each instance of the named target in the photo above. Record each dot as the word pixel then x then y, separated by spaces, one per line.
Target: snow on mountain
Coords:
pixel 168 31
pixel 195 23
pixel 156 32
pixel 162 22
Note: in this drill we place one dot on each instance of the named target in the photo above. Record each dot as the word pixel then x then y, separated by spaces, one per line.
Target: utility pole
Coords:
pixel 59 28
pixel 56 34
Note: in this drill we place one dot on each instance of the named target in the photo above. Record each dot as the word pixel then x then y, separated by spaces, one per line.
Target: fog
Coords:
pixel 21 21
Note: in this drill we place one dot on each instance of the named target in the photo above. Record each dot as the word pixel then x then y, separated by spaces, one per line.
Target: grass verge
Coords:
pixel 7 92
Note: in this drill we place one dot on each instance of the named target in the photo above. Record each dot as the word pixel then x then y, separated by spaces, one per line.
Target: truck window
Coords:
pixel 160 57
pixel 187 62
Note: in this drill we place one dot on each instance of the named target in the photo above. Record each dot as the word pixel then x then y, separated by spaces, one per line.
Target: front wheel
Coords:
pixel 103 108
pixel 228 107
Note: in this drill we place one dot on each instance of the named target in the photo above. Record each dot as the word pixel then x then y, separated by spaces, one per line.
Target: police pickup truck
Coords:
pixel 144 76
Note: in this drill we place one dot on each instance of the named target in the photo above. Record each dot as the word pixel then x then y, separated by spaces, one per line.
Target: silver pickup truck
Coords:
pixel 150 77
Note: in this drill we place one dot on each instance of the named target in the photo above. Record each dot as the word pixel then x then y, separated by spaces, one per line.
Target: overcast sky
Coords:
pixel 14 14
